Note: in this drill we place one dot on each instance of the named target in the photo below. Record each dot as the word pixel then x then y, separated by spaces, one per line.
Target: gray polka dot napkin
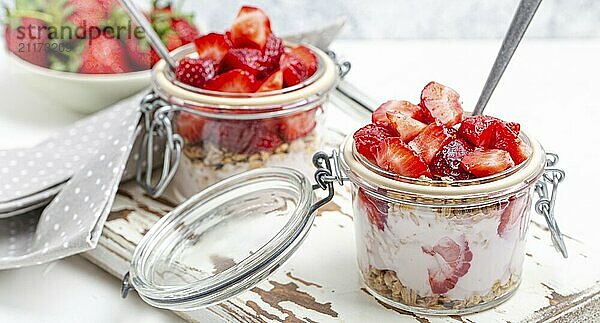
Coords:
pixel 86 161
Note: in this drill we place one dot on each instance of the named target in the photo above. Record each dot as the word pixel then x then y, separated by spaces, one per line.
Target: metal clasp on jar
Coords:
pixel 545 205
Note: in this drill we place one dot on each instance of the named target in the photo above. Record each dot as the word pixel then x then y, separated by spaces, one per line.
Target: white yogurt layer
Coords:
pixel 399 247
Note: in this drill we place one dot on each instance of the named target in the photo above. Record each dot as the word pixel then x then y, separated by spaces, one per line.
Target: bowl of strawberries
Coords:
pixel 245 99
pixel 86 54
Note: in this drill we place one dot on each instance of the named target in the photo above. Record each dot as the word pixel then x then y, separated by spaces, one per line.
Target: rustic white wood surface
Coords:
pixel 551 87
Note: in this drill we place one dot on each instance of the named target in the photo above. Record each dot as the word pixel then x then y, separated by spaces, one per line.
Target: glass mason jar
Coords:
pixel 436 247
pixel 229 133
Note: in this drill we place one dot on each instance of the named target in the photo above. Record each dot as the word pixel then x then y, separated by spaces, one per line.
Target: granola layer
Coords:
pixel 204 165
pixel 386 283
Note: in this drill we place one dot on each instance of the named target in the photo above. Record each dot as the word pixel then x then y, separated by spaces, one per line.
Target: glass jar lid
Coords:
pixel 223 240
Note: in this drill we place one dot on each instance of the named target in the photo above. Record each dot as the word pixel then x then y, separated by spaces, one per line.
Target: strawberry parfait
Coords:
pixel 248 99
pixel 441 203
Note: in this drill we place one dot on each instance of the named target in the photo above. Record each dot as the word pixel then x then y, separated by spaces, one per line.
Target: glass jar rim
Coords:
pixel 421 191
pixel 321 82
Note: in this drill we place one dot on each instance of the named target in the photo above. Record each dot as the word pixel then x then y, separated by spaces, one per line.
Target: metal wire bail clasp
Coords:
pixel 342 65
pixel 545 205
pixel 157 116
pixel 328 172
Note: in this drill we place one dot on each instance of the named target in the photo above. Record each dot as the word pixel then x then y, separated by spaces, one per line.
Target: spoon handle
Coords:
pixel 518 26
pixel 151 35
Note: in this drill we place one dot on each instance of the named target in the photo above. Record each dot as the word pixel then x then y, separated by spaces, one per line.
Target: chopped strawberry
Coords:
pixel 265 139
pixel 272 52
pixel 406 127
pixel 514 127
pixel 368 138
pixel 190 126
pixel 446 163
pixel 453 258
pixel 298 125
pixel 483 162
pixel 512 213
pixel 294 70
pixel 247 59
pixel 431 140
pixel 396 106
pixel 234 81
pixel 307 57
pixel 272 83
pixel 479 130
pixel 213 46
pixel 506 139
pixel 394 156
pixel 251 28
pixel 240 136
pixel 375 209
pixel 442 103
pixel 195 71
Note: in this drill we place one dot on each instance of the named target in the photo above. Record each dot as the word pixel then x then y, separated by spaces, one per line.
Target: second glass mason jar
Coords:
pixel 229 133
pixel 437 247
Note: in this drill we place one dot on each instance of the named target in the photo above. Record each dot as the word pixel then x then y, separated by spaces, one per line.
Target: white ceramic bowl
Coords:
pixel 83 93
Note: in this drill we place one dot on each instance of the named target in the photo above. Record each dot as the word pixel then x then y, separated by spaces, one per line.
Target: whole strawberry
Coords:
pixel 28 43
pixel 87 13
pixel 195 71
pixel 185 29
pixel 138 51
pixel 104 55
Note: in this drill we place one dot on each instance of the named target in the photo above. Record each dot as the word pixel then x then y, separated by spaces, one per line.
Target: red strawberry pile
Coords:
pixel 80 42
pixel 433 139
pixel 248 58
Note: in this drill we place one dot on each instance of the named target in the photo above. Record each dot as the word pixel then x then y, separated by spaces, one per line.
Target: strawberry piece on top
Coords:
pixel 396 157
pixel 483 162
pixel 195 71
pixel 479 130
pixel 446 163
pixel 506 139
pixel 294 70
pixel 406 127
pixel 375 209
pixel 234 81
pixel 251 28
pixel 442 103
pixel 272 52
pixel 453 260
pixel 368 138
pixel 247 59
pixel 397 106
pixel 307 57
pixel 431 140
pixel 213 46
pixel 272 83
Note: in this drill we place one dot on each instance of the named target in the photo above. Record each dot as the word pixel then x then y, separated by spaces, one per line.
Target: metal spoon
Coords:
pixel 151 35
pixel 523 16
